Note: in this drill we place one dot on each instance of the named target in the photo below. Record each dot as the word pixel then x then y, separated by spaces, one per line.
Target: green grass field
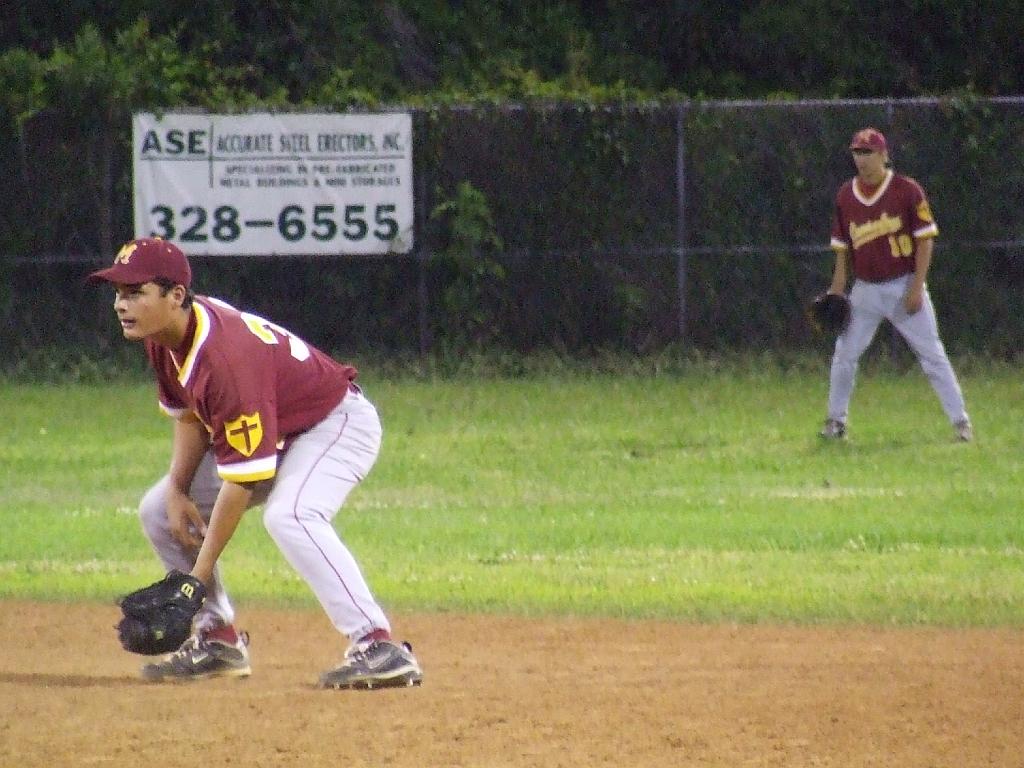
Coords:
pixel 700 497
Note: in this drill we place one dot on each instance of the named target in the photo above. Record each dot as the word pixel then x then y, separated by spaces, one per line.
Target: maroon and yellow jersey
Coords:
pixel 881 227
pixel 252 383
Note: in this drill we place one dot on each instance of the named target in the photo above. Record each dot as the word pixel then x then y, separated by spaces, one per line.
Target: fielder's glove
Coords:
pixel 158 618
pixel 829 313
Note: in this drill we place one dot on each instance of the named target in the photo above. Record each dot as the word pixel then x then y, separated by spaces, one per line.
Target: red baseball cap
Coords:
pixel 869 138
pixel 144 260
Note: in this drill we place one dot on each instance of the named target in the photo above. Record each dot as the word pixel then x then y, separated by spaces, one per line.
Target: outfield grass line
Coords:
pixel 73 567
pixel 120 511
pixel 829 494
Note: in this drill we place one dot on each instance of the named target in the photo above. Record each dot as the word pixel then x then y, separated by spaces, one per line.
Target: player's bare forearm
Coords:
pixel 232 501
pixel 840 271
pixel 923 249
pixel 914 299
pixel 190 443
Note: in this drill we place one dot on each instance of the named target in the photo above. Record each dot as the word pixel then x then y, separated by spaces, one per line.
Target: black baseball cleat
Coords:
pixel 377 664
pixel 202 657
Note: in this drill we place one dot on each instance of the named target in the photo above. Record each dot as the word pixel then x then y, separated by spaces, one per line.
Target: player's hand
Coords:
pixel 186 524
pixel 913 301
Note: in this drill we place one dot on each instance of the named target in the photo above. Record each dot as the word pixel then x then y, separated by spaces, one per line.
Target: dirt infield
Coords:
pixel 516 692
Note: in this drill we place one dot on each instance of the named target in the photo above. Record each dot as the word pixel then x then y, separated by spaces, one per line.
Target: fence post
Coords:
pixel 421 252
pixel 680 248
pixel 423 299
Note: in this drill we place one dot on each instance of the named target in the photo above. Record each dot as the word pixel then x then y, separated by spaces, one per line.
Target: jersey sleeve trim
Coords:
pixel 838 245
pixel 249 471
pixel 930 231
pixel 174 413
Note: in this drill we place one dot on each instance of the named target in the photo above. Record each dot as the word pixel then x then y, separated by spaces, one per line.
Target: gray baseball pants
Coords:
pixel 871 303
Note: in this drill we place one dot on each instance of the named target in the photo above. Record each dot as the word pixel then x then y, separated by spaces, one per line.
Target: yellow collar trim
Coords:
pixel 202 332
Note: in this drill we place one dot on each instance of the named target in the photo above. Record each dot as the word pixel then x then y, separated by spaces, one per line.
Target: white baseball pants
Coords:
pixel 871 303
pixel 314 477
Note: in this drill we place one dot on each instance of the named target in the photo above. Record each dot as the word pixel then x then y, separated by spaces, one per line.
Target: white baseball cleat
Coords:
pixel 833 429
pixel 964 431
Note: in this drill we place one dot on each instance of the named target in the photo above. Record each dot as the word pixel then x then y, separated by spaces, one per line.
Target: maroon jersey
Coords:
pixel 881 227
pixel 252 383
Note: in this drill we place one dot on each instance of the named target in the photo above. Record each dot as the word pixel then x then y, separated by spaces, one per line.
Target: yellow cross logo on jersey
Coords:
pixel 924 211
pixel 125 254
pixel 245 433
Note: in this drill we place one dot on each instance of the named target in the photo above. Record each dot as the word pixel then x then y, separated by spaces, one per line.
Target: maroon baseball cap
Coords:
pixel 869 138
pixel 145 260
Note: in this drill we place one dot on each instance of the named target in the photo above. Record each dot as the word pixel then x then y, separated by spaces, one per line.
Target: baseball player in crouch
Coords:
pixel 260 417
pixel 883 227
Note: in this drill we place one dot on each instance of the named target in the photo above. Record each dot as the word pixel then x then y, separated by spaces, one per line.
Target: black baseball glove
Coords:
pixel 829 313
pixel 158 618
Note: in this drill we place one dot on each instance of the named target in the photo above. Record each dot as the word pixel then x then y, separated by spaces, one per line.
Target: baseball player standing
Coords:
pixel 260 417
pixel 883 229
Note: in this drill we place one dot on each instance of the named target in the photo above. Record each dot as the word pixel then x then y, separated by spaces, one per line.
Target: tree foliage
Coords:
pixel 296 51
pixel 72 72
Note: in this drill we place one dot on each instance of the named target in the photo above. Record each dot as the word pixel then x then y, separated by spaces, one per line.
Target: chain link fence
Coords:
pixel 635 228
